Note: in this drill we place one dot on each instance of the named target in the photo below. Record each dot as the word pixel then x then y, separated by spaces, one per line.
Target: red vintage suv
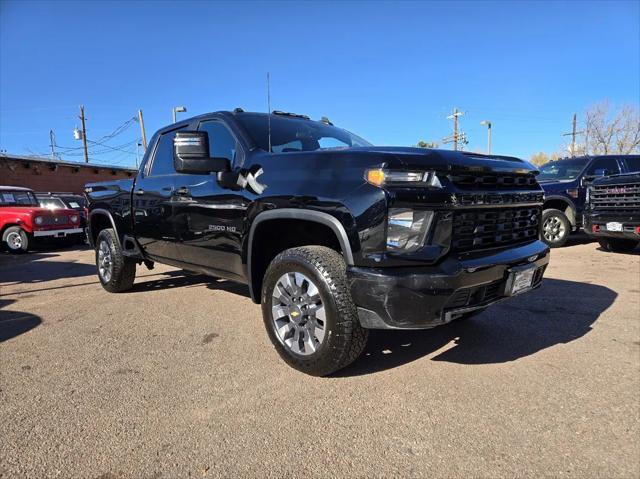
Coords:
pixel 22 220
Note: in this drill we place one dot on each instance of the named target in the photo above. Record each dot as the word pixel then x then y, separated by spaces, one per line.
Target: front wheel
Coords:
pixel 555 227
pixel 16 239
pixel 618 245
pixel 115 271
pixel 308 311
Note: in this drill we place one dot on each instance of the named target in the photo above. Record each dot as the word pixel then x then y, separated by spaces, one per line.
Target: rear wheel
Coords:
pixel 308 311
pixel 618 245
pixel 16 239
pixel 556 228
pixel 115 271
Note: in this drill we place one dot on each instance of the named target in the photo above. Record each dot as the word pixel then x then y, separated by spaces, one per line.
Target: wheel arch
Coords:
pixel 563 204
pixel 300 217
pixel 100 219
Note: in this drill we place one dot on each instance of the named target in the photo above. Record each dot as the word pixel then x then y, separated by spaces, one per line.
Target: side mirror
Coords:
pixel 600 172
pixel 191 154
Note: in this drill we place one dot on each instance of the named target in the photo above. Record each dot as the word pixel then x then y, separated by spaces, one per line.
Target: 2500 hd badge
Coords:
pixel 342 237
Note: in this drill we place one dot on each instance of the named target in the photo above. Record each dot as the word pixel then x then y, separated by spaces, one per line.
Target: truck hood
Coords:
pixel 623 179
pixel 447 160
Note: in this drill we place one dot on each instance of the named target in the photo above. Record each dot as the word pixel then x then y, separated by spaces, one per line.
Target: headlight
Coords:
pixel 38 220
pixel 407 229
pixel 74 218
pixel 380 177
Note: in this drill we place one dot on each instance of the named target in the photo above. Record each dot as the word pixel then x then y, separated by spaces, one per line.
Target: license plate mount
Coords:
pixel 520 280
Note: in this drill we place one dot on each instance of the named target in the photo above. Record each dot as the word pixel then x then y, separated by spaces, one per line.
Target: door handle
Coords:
pixel 139 191
pixel 182 191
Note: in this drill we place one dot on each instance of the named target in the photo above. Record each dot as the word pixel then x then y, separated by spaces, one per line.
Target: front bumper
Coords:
pixel 57 233
pixel 630 222
pixel 428 296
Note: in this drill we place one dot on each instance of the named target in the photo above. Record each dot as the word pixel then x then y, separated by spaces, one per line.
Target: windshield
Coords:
pixel 562 169
pixel 17 198
pixel 296 134
pixel 51 203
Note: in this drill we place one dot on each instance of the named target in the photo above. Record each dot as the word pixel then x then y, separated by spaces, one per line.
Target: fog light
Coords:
pixel 407 229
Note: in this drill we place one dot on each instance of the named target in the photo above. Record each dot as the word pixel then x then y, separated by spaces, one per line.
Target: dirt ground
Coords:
pixel 177 378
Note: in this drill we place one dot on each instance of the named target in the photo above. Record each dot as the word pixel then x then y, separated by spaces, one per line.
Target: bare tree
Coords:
pixel 607 132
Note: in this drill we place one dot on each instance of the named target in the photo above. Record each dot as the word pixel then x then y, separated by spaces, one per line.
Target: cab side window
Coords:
pixel 608 164
pixel 222 144
pixel 633 163
pixel 163 157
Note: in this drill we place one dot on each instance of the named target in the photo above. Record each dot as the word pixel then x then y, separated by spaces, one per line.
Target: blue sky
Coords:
pixel 390 72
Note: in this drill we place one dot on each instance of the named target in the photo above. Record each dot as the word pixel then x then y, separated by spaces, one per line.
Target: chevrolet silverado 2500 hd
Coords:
pixel 332 235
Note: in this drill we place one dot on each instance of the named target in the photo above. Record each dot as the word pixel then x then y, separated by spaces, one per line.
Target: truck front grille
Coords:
pixel 475 296
pixel 59 219
pixel 491 182
pixel 618 197
pixel 494 228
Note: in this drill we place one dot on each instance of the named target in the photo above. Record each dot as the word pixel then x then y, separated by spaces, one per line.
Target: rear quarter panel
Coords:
pixel 114 197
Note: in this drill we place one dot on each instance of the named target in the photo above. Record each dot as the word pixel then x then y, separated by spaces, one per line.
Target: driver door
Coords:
pixel 209 218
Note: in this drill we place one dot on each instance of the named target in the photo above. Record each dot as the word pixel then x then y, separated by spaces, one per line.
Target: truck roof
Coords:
pixel 14 188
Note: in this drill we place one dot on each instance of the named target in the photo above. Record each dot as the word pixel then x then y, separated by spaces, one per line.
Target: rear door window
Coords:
pixel 163 157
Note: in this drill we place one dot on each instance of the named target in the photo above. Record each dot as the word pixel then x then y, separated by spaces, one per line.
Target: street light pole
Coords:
pixel 177 109
pixel 487 123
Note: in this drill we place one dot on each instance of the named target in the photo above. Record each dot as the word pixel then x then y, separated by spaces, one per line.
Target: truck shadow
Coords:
pixel 15 323
pixel 184 279
pixel 32 268
pixel 505 332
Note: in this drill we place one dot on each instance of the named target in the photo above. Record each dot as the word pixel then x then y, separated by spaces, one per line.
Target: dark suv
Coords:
pixel 332 235
pixel 565 185
pixel 612 215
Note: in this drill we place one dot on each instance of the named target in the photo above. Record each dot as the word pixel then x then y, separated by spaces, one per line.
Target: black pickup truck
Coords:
pixel 332 235
pixel 612 215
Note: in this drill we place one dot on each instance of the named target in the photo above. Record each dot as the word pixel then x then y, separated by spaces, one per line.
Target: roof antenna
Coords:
pixel 269 110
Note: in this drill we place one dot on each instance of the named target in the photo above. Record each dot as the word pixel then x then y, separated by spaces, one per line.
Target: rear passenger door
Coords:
pixel 210 219
pixel 153 198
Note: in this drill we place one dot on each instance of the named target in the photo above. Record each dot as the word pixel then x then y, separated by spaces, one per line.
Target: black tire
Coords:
pixel 556 228
pixel 344 339
pixel 16 239
pixel 122 269
pixel 618 245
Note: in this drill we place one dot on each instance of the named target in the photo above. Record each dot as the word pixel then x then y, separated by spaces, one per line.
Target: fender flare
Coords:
pixel 103 212
pixel 573 219
pixel 297 214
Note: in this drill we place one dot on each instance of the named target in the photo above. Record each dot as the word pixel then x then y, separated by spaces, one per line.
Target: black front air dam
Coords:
pixel 428 296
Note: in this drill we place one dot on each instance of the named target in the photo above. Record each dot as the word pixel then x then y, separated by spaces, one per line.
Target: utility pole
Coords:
pixel 84 135
pixel 53 142
pixel 456 137
pixel 573 134
pixel 144 135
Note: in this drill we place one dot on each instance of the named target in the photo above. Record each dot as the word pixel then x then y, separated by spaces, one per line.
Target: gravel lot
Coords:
pixel 177 378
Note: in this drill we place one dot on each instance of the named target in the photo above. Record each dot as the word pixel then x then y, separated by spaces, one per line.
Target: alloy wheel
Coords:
pixel 105 263
pixel 553 229
pixel 298 313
